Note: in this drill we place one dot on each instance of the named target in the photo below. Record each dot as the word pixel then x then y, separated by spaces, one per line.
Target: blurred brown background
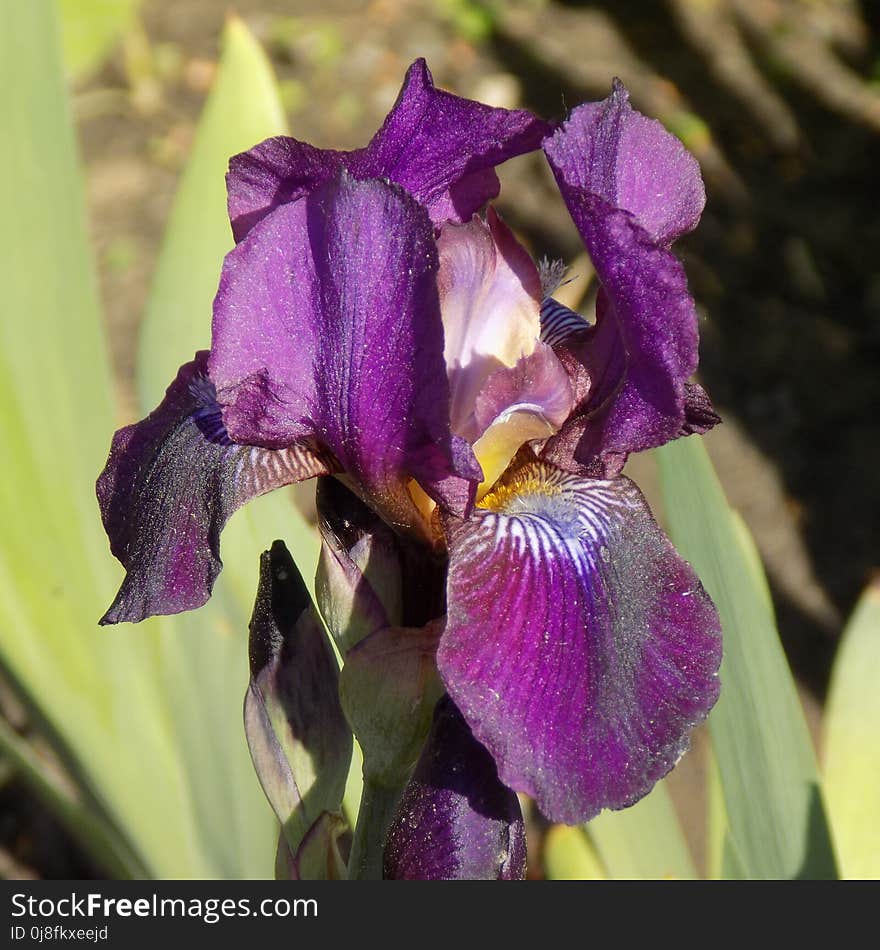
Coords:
pixel 779 100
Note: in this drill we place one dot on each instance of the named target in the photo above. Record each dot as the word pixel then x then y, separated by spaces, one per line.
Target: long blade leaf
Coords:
pixel 852 742
pixel 643 842
pixel 760 738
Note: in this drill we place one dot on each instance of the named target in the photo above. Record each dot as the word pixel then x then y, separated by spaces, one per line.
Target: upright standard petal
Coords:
pixel 327 326
pixel 455 821
pixel 631 162
pixel 580 648
pixel 642 349
pixel 441 148
pixel 632 189
pixel 169 486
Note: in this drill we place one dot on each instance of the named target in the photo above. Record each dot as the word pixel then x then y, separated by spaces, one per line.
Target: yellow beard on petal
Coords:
pixel 530 480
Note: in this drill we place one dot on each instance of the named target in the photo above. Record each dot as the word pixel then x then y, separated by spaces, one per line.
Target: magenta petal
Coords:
pixel 455 821
pixel 169 486
pixel 580 648
pixel 327 325
pixel 631 162
pixel 441 148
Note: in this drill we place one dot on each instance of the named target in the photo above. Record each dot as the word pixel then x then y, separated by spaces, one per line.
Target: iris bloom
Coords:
pixel 373 323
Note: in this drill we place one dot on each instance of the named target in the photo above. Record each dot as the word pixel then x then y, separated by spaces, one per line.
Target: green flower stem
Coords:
pixel 378 802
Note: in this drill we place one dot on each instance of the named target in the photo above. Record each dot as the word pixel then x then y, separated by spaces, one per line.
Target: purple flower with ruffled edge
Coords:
pixel 372 326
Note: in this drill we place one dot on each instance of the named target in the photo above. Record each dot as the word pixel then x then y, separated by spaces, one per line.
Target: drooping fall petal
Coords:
pixel 580 648
pixel 169 486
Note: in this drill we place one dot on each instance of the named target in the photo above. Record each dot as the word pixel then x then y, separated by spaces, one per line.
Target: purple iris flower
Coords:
pixel 374 325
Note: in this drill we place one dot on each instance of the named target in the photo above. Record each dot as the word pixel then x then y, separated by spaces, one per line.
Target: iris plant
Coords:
pixel 378 325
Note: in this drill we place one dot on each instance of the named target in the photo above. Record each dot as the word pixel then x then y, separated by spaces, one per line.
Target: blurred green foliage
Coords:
pixel 91 28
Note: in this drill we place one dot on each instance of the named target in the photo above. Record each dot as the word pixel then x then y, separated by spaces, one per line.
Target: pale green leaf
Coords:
pixel 643 842
pixel 765 757
pixel 717 830
pixel 852 742
pixel 90 30
pixel 147 718
pixel 56 418
pixel 210 671
pixel 570 856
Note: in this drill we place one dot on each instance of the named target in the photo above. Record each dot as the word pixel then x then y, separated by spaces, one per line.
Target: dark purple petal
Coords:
pixel 275 172
pixel 171 483
pixel 580 648
pixel 644 345
pixel 440 147
pixel 455 821
pixel 632 189
pixel 327 326
pixel 443 148
pixel 299 740
pixel 699 414
pixel 631 162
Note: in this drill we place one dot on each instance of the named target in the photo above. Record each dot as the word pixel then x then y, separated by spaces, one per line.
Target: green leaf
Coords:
pixel 242 109
pixel 147 718
pixel 765 757
pixel 852 742
pixel 570 856
pixel 643 842
pixel 55 421
pixel 90 30
pixel 717 830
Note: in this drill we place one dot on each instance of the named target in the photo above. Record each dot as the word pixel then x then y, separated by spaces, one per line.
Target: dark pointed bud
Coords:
pixel 455 821
pixel 299 740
